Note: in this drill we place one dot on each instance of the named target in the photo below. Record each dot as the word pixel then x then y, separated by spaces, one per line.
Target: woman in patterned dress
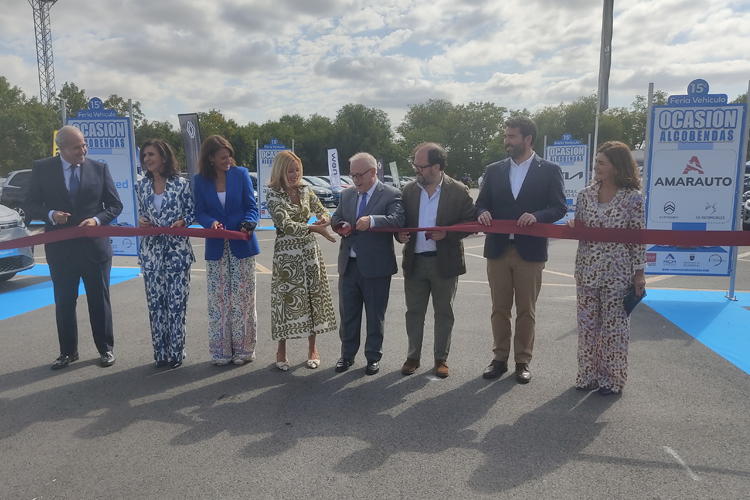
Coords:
pixel 224 199
pixel 164 199
pixel 301 304
pixel 605 271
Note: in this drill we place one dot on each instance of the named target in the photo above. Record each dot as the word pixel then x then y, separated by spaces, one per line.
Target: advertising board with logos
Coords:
pixel 108 138
pixel 573 158
pixel 695 166
pixel 266 155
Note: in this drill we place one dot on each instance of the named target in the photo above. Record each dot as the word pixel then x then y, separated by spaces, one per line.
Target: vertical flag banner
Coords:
pixel 191 141
pixel 394 174
pixel 108 141
pixel 334 168
pixel 695 168
pixel 55 149
pixel 605 57
pixel 266 154
pixel 572 156
pixel 381 170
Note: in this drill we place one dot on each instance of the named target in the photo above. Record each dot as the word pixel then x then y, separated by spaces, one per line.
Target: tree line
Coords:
pixel 472 133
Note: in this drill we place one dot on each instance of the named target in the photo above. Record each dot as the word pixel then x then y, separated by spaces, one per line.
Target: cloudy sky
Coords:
pixel 256 60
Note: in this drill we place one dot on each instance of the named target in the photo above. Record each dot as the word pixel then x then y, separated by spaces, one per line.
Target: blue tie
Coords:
pixel 362 205
pixel 75 182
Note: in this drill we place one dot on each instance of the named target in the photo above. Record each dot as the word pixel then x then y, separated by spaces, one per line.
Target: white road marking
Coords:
pixel 680 461
pixel 662 277
pixel 746 254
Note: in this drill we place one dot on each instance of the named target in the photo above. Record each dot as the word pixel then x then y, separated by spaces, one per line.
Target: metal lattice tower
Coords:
pixel 47 91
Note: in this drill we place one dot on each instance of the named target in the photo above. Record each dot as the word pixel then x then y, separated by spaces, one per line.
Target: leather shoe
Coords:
pixel 410 366
pixel 523 375
pixel 343 364
pixel 441 368
pixel 605 391
pixel 373 367
pixel 63 361
pixel 495 369
pixel 108 359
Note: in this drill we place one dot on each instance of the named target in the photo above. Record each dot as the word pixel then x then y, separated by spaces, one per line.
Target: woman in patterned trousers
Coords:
pixel 164 199
pixel 605 271
pixel 224 198
pixel 301 304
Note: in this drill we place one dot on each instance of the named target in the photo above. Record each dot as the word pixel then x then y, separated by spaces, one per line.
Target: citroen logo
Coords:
pixel 669 208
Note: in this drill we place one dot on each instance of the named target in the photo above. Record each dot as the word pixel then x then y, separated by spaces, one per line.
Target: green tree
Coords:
pixel 75 99
pixel 359 128
pixel 120 105
pixel 164 131
pixel 470 128
pixel 26 128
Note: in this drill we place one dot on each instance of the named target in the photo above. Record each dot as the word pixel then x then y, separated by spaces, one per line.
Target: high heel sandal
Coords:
pixel 282 365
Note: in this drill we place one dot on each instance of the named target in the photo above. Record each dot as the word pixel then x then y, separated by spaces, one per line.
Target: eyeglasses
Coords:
pixel 417 168
pixel 358 177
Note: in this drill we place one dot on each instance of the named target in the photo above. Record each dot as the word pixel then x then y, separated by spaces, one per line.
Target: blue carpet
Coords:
pixel 718 323
pixel 40 295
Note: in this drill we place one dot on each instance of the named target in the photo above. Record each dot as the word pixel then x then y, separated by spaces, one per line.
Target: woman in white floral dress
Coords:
pixel 301 304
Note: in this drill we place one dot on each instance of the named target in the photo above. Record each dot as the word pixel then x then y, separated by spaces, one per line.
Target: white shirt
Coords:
pixel 67 171
pixel 428 207
pixel 222 198
pixel 158 200
pixel 368 196
pixel 518 174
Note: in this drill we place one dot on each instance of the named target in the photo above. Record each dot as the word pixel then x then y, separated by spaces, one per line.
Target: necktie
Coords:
pixel 75 182
pixel 362 205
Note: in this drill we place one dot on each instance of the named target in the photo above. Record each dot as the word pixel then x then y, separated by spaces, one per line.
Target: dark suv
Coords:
pixel 14 192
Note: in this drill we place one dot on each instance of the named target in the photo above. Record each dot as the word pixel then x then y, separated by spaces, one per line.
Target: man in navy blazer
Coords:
pixel 67 191
pixel 366 259
pixel 527 189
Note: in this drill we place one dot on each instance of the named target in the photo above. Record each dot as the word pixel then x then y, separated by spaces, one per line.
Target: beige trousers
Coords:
pixel 510 278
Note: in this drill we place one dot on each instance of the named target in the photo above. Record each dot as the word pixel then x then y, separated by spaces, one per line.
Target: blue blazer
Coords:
pixel 240 206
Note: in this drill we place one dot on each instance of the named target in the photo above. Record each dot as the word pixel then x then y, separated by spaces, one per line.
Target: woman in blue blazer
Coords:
pixel 224 198
pixel 164 199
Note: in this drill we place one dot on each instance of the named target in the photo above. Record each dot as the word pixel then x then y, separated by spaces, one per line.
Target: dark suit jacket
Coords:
pixel 97 197
pixel 542 194
pixel 455 206
pixel 375 254
pixel 240 206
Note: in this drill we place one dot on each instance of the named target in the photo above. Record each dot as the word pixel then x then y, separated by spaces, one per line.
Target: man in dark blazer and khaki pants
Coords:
pixel 527 189
pixel 432 260
pixel 67 191
pixel 366 259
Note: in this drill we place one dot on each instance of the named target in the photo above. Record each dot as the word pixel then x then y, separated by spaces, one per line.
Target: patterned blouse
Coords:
pixel 609 265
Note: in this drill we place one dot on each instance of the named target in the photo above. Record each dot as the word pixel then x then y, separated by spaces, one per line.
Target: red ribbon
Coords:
pixel 102 231
pixel 601 234
pixel 644 236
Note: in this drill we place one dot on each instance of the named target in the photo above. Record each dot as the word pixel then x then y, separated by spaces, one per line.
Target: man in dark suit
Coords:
pixel 366 259
pixel 66 191
pixel 527 189
pixel 433 260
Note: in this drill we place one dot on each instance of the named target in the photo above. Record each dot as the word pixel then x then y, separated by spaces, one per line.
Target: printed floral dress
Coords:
pixel 301 303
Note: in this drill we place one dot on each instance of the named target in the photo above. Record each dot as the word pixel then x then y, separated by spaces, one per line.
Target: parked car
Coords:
pixel 18 259
pixel 14 192
pixel 746 204
pixel 344 183
pixel 388 179
pixel 346 179
pixel 322 190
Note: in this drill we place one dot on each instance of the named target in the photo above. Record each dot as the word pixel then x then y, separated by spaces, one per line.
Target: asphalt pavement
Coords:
pixel 679 430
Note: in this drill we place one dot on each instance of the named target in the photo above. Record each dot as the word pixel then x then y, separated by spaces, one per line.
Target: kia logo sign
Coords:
pixel 669 208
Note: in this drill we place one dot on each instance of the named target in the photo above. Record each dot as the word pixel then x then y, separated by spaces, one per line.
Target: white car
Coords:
pixel 17 259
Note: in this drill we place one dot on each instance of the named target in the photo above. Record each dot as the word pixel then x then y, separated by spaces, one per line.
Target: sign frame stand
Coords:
pixel 738 224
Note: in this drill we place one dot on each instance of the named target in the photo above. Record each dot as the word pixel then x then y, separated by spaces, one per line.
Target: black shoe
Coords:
pixel 63 361
pixel 108 359
pixel 495 369
pixel 343 364
pixel 175 364
pixel 606 391
pixel 161 364
pixel 373 367
pixel 523 375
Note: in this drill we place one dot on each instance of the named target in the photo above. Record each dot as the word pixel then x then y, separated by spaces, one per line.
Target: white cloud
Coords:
pixel 256 60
